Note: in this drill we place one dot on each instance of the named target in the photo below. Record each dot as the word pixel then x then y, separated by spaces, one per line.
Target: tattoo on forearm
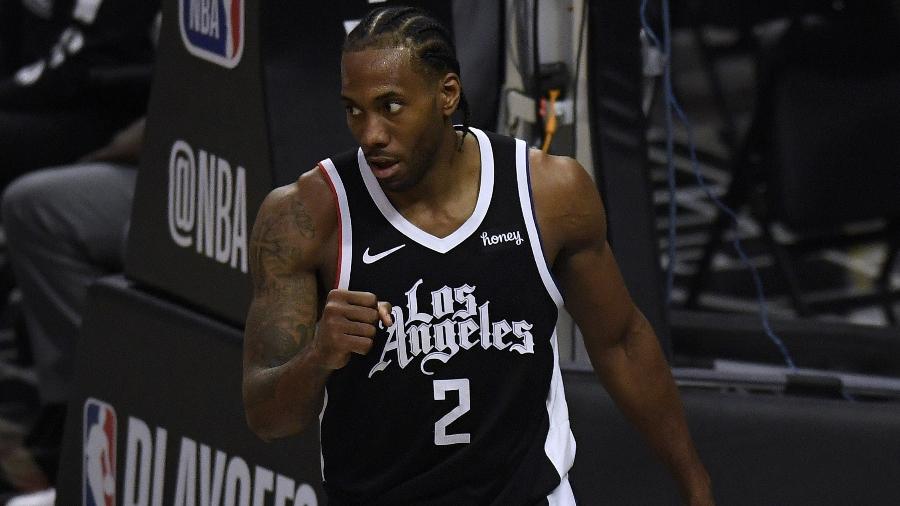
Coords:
pixel 282 319
pixel 272 338
pixel 281 328
pixel 305 333
pixel 281 344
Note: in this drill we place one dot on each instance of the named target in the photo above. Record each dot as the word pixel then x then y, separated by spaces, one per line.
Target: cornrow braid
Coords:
pixel 427 39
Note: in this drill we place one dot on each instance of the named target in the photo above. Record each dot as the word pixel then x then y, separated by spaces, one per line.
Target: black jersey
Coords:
pixel 460 401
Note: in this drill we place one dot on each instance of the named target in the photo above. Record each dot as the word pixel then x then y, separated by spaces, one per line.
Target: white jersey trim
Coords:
pixel 560 443
pixel 344 261
pixel 321 416
pixel 345 252
pixel 563 495
pixel 534 237
pixel 438 244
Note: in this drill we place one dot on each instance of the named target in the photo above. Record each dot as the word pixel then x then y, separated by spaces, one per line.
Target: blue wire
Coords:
pixel 670 162
pixel 670 167
pixel 649 31
pixel 672 103
pixel 670 148
pixel 736 242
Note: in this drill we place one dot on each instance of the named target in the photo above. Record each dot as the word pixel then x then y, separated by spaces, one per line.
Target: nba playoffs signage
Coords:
pixel 157 416
pixel 213 30
pixel 203 475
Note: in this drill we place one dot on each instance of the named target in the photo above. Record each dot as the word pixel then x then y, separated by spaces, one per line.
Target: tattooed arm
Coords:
pixel 282 383
pixel 288 355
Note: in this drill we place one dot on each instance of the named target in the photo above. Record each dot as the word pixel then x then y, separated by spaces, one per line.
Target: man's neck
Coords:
pixel 452 172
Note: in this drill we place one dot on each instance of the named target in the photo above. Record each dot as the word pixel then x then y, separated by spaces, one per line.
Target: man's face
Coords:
pixel 394 112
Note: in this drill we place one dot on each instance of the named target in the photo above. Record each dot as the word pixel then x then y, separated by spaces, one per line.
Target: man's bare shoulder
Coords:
pixel 566 203
pixel 309 199
pixel 310 187
pixel 563 189
pixel 294 222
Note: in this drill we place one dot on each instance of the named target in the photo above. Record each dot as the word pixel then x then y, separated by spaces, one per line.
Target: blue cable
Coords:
pixel 672 104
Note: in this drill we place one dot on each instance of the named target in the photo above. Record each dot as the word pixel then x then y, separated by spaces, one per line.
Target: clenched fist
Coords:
pixel 347 326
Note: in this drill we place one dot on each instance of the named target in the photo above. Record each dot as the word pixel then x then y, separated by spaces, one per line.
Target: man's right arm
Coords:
pixel 283 381
pixel 289 349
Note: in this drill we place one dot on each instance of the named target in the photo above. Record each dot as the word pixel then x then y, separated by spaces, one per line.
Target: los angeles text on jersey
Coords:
pixel 456 322
pixel 207 206
pixel 202 474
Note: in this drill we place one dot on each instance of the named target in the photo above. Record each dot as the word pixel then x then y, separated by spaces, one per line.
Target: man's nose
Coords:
pixel 374 134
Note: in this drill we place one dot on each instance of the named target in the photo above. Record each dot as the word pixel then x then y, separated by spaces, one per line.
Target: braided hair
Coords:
pixel 427 39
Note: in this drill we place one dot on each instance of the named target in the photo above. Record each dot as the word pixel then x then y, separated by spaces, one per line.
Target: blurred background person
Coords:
pixel 73 75
pixel 66 228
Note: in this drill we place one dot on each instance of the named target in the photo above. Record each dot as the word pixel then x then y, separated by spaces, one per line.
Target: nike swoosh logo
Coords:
pixel 371 259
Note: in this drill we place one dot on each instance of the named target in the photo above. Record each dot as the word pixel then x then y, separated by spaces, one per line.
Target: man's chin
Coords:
pixel 401 178
pixel 395 184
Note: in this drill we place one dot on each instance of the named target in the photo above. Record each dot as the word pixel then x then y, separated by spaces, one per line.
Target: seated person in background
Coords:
pixel 65 228
pixel 68 101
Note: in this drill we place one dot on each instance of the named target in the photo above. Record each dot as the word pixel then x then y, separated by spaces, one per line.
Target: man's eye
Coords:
pixel 393 107
pixel 353 111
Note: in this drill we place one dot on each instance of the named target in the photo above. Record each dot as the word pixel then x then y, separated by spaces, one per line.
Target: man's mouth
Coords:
pixel 383 167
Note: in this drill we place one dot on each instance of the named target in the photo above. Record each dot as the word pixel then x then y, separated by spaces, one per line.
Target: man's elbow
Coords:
pixel 259 426
pixel 269 427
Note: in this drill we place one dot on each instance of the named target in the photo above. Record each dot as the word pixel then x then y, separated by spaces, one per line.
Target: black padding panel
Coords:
pixel 838 346
pixel 174 369
pixel 759 449
pixel 205 167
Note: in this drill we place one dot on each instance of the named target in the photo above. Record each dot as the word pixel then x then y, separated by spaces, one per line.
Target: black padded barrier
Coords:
pixel 759 450
pixel 161 367
pixel 839 346
pixel 205 166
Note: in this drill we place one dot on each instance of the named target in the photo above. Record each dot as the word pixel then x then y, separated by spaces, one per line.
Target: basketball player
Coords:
pixel 406 295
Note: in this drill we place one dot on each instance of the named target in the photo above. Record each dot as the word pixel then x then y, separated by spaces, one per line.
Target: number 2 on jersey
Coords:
pixel 441 387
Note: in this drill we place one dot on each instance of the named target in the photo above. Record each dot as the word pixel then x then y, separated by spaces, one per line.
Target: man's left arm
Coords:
pixel 621 344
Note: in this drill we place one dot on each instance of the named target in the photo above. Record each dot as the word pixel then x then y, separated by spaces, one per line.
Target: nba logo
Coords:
pixel 99 459
pixel 213 29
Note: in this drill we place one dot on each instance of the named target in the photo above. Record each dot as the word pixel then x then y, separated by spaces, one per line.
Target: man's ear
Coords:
pixel 450 91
